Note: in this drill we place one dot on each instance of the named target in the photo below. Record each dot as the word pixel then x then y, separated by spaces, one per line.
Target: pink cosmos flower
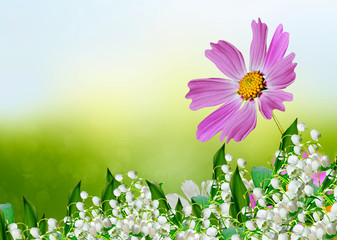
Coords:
pixel 269 73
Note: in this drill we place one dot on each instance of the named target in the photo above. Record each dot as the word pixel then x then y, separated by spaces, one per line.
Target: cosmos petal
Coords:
pixel 277 48
pixel 241 123
pixel 282 74
pixel 209 92
pixel 228 59
pixel 258 46
pixel 213 124
pixel 271 99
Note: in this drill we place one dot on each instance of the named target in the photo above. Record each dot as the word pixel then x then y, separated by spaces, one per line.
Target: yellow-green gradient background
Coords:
pixel 86 85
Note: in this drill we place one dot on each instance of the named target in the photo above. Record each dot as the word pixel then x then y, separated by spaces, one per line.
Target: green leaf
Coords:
pixel 229 232
pixel 29 216
pixel 259 174
pixel 158 194
pixel 3 226
pixel 107 193
pixel 196 208
pixel 8 212
pixel 109 176
pixel 240 196
pixel 218 161
pixel 201 200
pixel 43 224
pixel 286 145
pixel 74 197
pixel 179 211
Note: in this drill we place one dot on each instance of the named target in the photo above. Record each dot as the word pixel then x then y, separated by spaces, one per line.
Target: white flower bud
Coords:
pixel 107 223
pixel 226 169
pixel 292 206
pixel 84 195
pixel 296 139
pixel 242 163
pixel 122 188
pixel 331 228
pixel 145 230
pixel 135 229
pixel 52 223
pixel 297 150
pixel 16 233
pixel 317 216
pixel 79 223
pixel 162 220
pixel 315 165
pixel 96 201
pixel 228 177
pixel 275 183
pixel 258 192
pixel 315 135
pixel 206 223
pixel 117 192
pixel 301 217
pixel 98 227
pixel 262 202
pixel 326 162
pixel 228 157
pixel 320 233
pixel 132 174
pixel 35 232
pixel 119 177
pixel 211 232
pixel 80 206
pixel 113 203
pixel 312 148
pixel 283 236
pixel 12 226
pixel 206 213
pixel 251 225
pixel 292 160
pixel 236 237
pixel 308 190
pixel 320 202
pixel 301 126
pixel 225 186
pixel 294 185
pixel 155 204
pixel 187 210
pixel 334 208
pixel 284 213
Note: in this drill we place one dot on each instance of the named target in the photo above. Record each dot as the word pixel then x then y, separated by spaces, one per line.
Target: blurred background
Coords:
pixel 86 85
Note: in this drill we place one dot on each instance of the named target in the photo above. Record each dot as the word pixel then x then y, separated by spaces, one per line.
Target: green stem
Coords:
pixel 278 124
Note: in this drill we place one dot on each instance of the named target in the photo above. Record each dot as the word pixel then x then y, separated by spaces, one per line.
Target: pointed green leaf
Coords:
pixel 74 197
pixel 158 194
pixel 240 196
pixel 286 145
pixel 107 193
pixel 229 232
pixel 8 212
pixel 201 200
pixel 218 161
pixel 3 226
pixel 179 210
pixel 109 176
pixel 259 176
pixel 29 214
pixel 196 209
pixel 43 224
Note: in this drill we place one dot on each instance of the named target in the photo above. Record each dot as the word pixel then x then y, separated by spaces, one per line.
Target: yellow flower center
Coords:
pixel 251 85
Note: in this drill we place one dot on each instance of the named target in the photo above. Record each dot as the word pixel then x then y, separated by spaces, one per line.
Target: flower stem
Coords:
pixel 278 124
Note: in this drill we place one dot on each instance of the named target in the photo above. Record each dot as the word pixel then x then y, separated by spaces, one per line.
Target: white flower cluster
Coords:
pixel 297 200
